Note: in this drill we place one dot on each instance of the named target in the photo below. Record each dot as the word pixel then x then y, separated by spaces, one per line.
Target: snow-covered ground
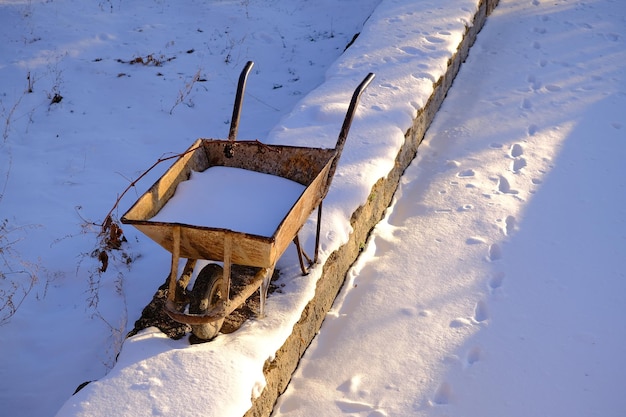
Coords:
pixel 62 165
pixel 493 286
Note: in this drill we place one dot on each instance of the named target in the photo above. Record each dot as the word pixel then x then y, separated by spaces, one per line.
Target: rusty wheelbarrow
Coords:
pixel 210 300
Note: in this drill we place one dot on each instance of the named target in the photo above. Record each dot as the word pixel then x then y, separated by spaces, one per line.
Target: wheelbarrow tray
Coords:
pixel 307 166
pixel 313 168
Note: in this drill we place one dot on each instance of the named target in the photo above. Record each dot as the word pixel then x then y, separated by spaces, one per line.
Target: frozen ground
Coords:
pixel 493 286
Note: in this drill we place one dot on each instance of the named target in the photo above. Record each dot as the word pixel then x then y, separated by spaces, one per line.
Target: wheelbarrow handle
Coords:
pixel 241 86
pixel 343 134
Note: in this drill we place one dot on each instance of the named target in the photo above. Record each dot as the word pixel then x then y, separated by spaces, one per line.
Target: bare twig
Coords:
pixel 106 223
pixel 183 94
pixel 9 118
pixel 14 288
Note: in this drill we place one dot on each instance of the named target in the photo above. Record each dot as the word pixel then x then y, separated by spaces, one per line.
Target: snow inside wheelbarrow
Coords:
pixel 308 167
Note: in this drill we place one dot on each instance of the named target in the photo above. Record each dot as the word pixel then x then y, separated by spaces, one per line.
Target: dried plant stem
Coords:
pixel 183 94
pixel 107 219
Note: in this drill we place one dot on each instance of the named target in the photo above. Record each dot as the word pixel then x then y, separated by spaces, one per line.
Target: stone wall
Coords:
pixel 278 372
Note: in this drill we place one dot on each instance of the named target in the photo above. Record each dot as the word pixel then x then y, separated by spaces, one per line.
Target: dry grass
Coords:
pixel 17 276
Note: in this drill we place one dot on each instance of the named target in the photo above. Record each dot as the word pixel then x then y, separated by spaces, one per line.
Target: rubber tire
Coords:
pixel 204 296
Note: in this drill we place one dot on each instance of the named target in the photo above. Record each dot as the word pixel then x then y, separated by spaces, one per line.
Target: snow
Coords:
pixel 493 286
pixel 258 204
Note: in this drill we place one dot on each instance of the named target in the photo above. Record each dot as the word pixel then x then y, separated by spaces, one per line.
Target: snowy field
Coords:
pixel 139 80
pixel 510 232
pixel 494 286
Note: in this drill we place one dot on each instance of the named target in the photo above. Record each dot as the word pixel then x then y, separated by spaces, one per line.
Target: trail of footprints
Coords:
pixel 519 161
pixel 516 164
pixel 444 394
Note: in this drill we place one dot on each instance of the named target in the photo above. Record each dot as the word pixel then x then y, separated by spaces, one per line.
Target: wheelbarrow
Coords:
pixel 212 297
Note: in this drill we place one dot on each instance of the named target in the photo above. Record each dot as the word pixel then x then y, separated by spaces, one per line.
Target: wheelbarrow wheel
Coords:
pixel 204 296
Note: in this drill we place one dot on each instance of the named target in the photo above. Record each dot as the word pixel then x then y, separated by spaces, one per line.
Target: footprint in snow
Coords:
pixel 494 253
pixel 411 50
pixel 351 385
pixel 474 355
pixel 468 173
pixel 553 88
pixel 509 225
pixel 460 322
pixel 390 86
pixel 504 186
pixel 444 394
pixel 496 281
pixel 474 240
pixel 516 153
pixel 384 244
pixel 424 75
pixel 534 83
pixel 516 150
pixel 518 164
pixel 347 406
pixel 481 312
pixel 434 39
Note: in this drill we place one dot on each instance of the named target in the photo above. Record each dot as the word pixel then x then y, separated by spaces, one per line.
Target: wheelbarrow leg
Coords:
pixel 317 233
pixel 171 293
pixel 302 253
pixel 228 249
pixel 177 287
pixel 181 297
pixel 265 286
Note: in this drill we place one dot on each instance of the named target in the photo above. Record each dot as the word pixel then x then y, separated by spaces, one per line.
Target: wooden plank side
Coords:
pixel 300 212
pixel 298 164
pixel 153 200
pixel 208 243
pixel 308 166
